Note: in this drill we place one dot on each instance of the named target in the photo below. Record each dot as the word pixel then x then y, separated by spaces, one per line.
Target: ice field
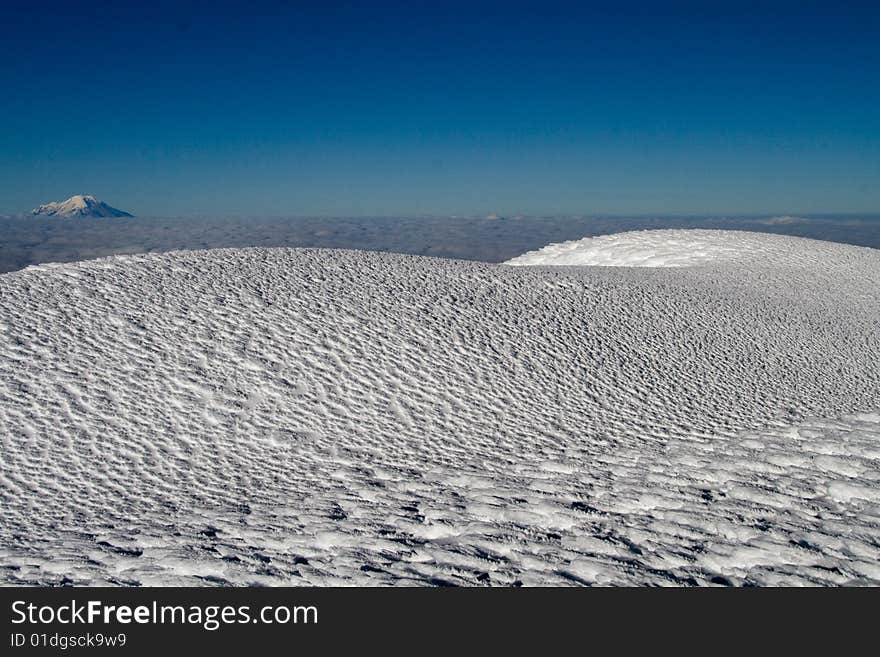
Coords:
pixel 661 407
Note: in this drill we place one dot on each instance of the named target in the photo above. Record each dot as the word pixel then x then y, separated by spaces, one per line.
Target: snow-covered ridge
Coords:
pixel 79 206
pixel 283 416
pixel 681 248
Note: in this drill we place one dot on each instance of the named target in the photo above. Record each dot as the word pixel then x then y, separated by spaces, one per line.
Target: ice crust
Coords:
pixel 287 416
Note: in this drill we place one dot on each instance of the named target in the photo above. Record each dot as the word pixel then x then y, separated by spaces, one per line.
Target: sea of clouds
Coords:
pixel 33 240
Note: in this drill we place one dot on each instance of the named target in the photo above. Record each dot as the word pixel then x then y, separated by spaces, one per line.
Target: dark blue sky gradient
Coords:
pixel 442 108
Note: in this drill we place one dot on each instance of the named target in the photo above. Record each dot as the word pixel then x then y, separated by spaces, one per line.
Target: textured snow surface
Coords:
pixel 79 206
pixel 680 248
pixel 281 416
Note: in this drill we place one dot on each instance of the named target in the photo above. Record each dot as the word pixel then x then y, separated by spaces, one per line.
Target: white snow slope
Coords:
pixel 79 206
pixel 282 416
pixel 674 248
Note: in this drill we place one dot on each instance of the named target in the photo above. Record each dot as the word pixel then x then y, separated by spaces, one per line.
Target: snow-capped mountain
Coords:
pixel 79 206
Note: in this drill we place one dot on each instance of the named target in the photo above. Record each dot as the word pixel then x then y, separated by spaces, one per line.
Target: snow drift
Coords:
pixel 283 416
pixel 681 248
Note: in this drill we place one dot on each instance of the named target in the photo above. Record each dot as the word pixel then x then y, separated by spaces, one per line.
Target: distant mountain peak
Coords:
pixel 80 205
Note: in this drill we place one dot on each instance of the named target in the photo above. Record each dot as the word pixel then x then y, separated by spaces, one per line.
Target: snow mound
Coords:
pixel 680 248
pixel 79 206
pixel 284 416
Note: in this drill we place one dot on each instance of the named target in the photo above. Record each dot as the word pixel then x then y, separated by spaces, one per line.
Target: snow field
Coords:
pixel 283 416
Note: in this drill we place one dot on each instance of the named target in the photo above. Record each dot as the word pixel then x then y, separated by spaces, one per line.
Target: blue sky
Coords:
pixel 442 108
